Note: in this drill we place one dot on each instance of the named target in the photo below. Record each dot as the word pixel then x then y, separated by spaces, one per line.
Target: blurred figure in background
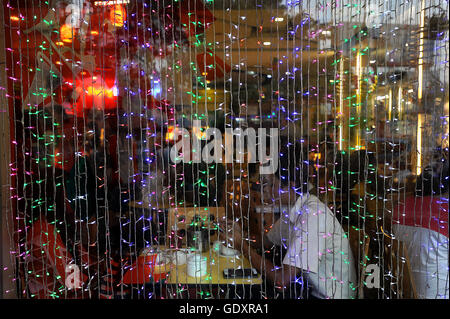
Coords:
pixel 63 232
pixel 421 222
pixel 365 191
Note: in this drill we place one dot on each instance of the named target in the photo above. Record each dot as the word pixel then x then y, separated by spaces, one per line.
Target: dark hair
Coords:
pixel 293 164
pixel 342 173
pixel 350 169
pixel 433 180
pixel 362 161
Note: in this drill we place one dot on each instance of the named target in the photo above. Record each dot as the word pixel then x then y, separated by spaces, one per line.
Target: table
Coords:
pixel 214 275
pixel 172 281
pixel 213 285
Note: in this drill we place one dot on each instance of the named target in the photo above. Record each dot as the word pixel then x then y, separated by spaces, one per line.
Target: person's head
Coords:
pixel 362 162
pixel 342 176
pixel 291 176
pixel 332 173
pixel 434 180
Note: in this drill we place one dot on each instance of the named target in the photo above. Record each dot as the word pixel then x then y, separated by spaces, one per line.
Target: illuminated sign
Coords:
pixel 117 16
pixel 110 3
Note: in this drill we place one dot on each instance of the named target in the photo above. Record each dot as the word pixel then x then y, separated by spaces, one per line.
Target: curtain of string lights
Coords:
pixel 350 99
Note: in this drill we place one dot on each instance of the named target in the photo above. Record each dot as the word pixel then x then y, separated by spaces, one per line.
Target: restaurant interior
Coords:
pixel 111 110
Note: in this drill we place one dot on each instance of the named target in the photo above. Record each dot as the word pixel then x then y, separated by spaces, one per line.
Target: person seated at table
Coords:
pixel 123 179
pixel 421 222
pixel 200 183
pixel 318 255
pixel 58 239
pixel 362 184
pixel 341 204
pixel 65 230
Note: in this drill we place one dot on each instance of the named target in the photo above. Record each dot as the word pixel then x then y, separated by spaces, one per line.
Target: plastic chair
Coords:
pixel 397 271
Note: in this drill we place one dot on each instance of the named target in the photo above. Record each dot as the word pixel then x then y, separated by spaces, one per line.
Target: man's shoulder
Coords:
pixel 313 207
pixel 313 203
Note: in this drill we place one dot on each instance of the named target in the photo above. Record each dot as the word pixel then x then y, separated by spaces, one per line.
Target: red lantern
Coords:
pixel 93 92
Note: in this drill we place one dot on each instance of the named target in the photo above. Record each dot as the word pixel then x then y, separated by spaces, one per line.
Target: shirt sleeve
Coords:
pixel 308 237
pixel 274 234
pixel 279 233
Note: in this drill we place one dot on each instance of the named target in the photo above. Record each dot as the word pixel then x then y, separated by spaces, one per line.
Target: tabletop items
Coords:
pixel 223 250
pixel 189 266
pixel 197 265
pixel 192 256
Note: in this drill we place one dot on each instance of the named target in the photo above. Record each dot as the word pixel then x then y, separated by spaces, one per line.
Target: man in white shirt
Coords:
pixel 318 253
pixel 316 244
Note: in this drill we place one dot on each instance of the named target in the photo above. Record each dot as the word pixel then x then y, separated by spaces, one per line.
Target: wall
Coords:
pixel 7 287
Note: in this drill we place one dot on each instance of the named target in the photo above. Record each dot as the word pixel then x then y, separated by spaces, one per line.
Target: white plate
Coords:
pixel 236 253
